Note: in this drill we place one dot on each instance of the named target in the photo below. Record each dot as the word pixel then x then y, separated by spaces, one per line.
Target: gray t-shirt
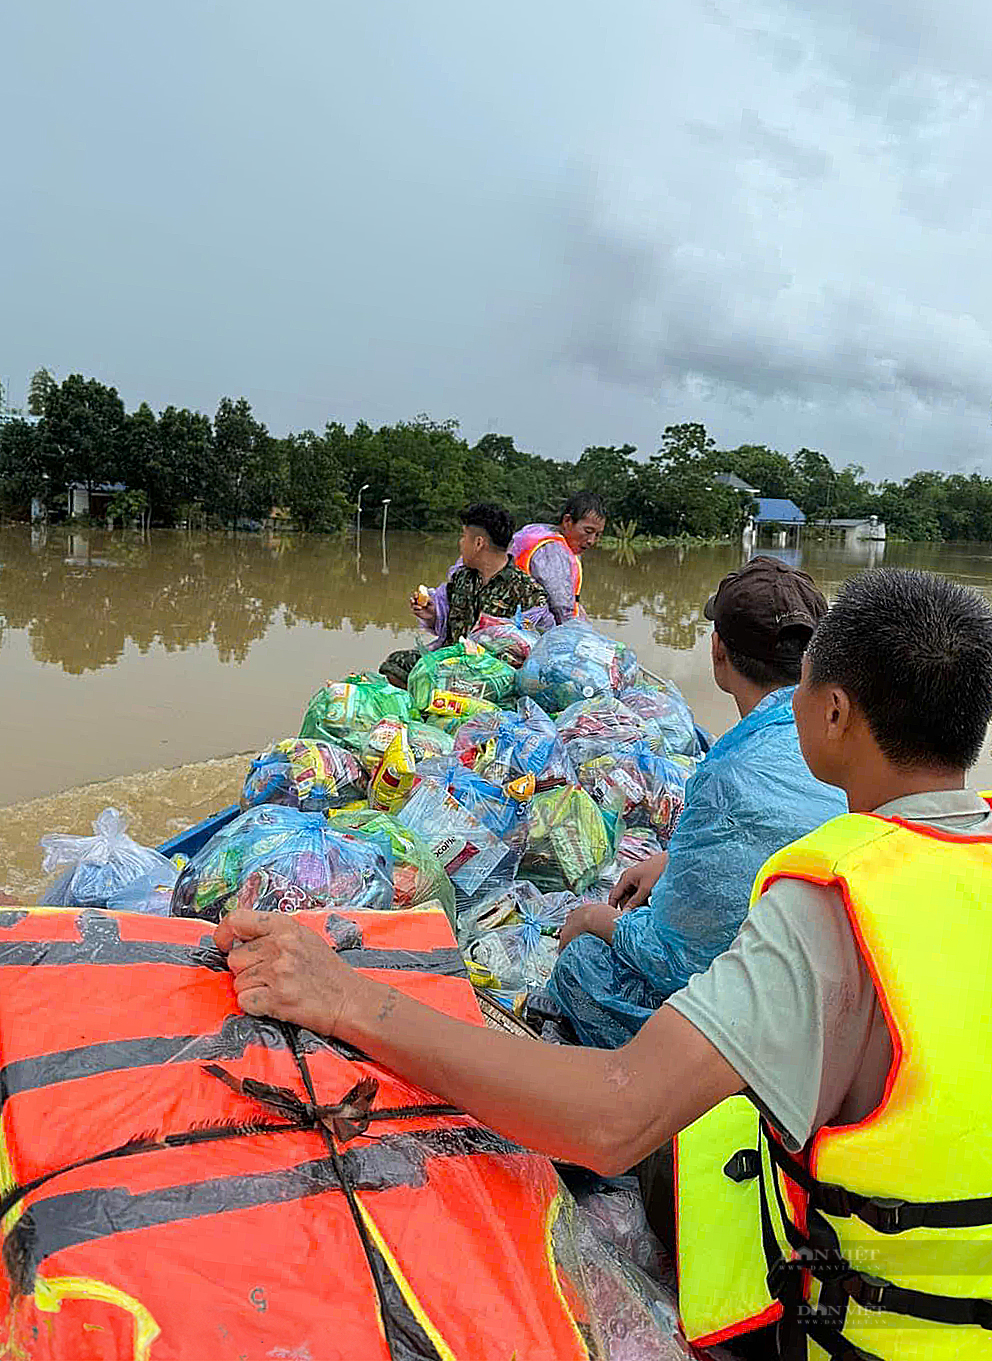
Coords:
pixel 791 1005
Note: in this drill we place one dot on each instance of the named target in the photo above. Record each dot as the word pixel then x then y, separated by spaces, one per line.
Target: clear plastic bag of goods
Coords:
pixel 472 856
pixel 335 869
pixel 591 727
pixel 494 807
pixel 513 937
pixel 418 876
pixel 508 639
pixel 573 662
pixel 306 774
pixel 615 1210
pixel 647 789
pixel 569 837
pixel 345 711
pixel 638 845
pixel 464 669
pixel 425 742
pixel 506 746
pixel 631 1316
pixel 99 866
pixel 666 717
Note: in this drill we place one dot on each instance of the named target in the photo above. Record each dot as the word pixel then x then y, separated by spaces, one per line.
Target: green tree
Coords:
pixel 757 465
pixel 82 431
pixel 247 477
pixel 42 383
pixel 315 488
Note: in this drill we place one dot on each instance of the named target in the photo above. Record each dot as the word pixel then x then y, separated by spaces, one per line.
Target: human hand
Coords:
pixel 594 919
pixel 634 886
pixel 427 614
pixel 284 969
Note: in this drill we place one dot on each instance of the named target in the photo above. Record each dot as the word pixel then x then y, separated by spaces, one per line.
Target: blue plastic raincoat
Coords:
pixel 752 795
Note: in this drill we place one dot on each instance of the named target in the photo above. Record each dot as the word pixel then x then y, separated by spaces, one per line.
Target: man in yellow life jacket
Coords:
pixel 552 553
pixel 850 1015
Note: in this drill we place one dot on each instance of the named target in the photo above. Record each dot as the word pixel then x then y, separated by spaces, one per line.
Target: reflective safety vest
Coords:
pixel 876 1241
pixel 532 537
pixel 182 1182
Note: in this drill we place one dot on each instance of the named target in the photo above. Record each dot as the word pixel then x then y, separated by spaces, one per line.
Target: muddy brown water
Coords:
pixel 144 674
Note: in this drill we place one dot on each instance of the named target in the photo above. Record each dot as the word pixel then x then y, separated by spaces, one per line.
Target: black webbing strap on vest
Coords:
pixel 879 1213
pixel 818 1253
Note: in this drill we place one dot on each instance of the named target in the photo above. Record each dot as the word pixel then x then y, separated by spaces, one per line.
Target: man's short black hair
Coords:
pixel 582 503
pixel 492 519
pixel 785 668
pixel 914 653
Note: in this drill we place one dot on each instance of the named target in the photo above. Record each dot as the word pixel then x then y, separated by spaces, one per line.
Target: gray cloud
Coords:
pixel 569 223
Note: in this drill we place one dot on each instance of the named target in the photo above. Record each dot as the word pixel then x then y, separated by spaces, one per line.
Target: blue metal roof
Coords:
pixel 774 508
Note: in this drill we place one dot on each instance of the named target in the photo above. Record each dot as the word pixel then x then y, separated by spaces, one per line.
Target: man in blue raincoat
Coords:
pixel 671 916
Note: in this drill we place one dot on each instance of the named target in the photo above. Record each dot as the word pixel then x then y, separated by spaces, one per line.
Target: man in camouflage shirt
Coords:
pixel 487 582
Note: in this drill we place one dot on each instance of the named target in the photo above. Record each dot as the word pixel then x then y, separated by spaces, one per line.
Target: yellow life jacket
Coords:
pixel 877 1241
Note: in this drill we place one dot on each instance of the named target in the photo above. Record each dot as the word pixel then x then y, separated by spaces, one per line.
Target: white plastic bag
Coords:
pixel 101 865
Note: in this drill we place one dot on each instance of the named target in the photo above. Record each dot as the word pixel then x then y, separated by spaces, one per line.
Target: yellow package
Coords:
pixel 392 783
pixel 521 789
pixel 450 705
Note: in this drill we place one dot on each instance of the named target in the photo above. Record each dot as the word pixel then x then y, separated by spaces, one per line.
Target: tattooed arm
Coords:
pixel 602 1108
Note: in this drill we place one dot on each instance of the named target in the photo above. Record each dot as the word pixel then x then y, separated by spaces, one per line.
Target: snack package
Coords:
pixel 445 705
pixel 514 936
pixel 335 869
pixel 505 816
pixel 101 865
pixel 422 596
pixel 391 785
pixel 305 774
pixel 345 711
pixel 569 836
pixel 574 662
pixel 425 742
pixel 464 669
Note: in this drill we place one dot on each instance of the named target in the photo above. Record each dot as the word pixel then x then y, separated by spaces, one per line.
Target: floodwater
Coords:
pixel 143 674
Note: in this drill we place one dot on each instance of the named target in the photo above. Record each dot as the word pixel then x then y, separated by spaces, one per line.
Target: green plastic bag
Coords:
pixel 570 837
pixel 461 671
pixel 418 876
pixel 346 711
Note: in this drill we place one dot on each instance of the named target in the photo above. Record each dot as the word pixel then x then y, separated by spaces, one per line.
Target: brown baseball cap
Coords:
pixel 754 607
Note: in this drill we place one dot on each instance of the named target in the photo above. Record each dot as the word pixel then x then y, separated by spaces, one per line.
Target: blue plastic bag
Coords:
pixel 100 865
pixel 507 746
pixel 299 849
pixel 574 662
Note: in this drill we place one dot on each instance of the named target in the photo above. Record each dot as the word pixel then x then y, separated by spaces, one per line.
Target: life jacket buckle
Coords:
pixel 868 1291
pixel 883 1215
pixel 743 1166
pixel 783 1279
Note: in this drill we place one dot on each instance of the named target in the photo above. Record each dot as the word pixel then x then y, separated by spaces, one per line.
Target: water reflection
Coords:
pixel 82 597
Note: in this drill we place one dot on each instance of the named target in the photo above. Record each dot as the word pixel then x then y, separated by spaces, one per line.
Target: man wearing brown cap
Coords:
pixel 668 918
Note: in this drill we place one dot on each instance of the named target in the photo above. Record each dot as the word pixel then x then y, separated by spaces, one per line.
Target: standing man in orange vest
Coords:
pixel 851 1015
pixel 552 553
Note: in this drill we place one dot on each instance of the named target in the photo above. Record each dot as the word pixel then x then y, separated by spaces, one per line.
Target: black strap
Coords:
pixel 872 1292
pixel 839 1277
pixel 878 1212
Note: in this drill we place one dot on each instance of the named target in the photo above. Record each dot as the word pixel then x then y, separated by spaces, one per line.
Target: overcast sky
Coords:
pixel 568 221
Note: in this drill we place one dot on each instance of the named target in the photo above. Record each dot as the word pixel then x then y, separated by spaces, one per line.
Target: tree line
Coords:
pixel 182 467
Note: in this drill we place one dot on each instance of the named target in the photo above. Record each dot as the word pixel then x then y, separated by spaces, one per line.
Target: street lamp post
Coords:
pixel 358 515
pixel 385 512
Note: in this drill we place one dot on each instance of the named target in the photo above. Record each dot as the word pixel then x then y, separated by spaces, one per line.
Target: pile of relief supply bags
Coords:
pixel 516 778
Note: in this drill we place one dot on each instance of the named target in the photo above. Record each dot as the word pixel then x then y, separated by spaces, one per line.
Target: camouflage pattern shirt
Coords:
pixel 501 595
